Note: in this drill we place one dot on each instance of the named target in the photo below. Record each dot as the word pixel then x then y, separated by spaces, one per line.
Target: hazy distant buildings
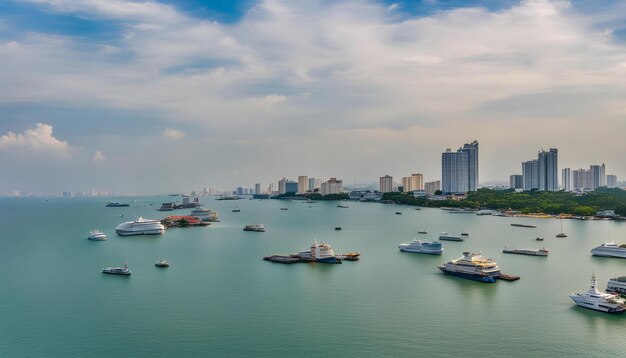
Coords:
pixel 385 184
pixel 611 181
pixel 542 173
pixel 291 186
pixel 431 187
pixel 566 179
pixel 459 170
pixel 314 183
pixel 516 181
pixel 257 188
pixel 597 175
pixel 413 183
pixel 303 184
pixel 331 186
pixel 281 186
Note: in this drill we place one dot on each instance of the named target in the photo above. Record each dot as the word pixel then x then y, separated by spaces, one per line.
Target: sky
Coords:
pixel 161 96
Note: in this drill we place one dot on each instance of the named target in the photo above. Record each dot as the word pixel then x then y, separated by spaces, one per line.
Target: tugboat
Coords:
pixel 596 300
pixel 117 270
pixel 254 227
pixel 161 263
pixel 96 235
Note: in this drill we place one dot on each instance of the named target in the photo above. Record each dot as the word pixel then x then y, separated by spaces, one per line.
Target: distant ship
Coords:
pixel 422 232
pixel 167 207
pixel 321 253
pixel 116 205
pixel 140 226
pixel 473 267
pixel 444 236
pixel 117 270
pixel 610 249
pixel 484 212
pixel 524 225
pixel 422 247
pixel 236 210
pixel 617 285
pixel 531 252
pixel 96 235
pixel 162 263
pixel 398 213
pixel 342 206
pixel 596 300
pixel 254 227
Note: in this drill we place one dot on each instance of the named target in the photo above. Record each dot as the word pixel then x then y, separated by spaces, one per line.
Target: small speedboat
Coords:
pixel 117 270
pixel 539 239
pixel 464 233
pixel 161 263
pixel 398 213
pixel 338 228
pixel 96 235
pixel 422 232
pixel 236 210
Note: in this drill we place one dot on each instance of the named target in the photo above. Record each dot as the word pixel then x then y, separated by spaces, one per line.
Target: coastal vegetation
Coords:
pixel 533 201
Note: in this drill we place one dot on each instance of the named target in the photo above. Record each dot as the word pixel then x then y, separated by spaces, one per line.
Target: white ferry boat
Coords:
pixel 254 227
pixel 474 267
pixel 96 235
pixel 140 226
pixel 531 252
pixel 617 285
pixel 596 300
pixel 204 214
pixel 321 253
pixel 610 249
pixel 444 236
pixel 422 247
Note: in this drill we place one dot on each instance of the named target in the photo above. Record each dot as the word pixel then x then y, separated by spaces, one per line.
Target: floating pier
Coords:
pixel 506 277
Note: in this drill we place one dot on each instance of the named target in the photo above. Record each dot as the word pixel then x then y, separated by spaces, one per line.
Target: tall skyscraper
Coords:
pixel 611 181
pixel 257 188
pixel 281 186
pixel 516 181
pixel 548 170
pixel 597 176
pixel 331 186
pixel 412 183
pixel 579 179
pixel 291 186
pixel 566 179
pixel 385 184
pixel 459 170
pixel 431 187
pixel 303 184
pixel 530 174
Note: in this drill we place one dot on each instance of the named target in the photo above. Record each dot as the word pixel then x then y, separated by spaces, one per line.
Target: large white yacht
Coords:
pixel 473 266
pixel 422 247
pixel 610 249
pixel 596 300
pixel 140 226
pixel 96 235
pixel 204 214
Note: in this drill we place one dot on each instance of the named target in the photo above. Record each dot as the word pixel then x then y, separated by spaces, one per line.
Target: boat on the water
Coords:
pixel 254 227
pixel 117 270
pixel 422 232
pixel 610 249
pixel 342 206
pixel 284 209
pixel 162 263
pixel 531 252
pixel 599 301
pixel 524 225
pixel 167 207
pixel 398 213
pixel 337 228
pixel 464 233
pixel 140 226
pixel 96 235
pixel 422 247
pixel 116 205
pixel 236 210
pixel 617 285
pixel 321 252
pixel 444 236
pixel 473 267
pixel 561 234
pixel 539 239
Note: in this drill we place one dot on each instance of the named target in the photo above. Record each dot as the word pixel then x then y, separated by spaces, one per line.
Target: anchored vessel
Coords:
pixel 444 236
pixel 140 226
pixel 96 235
pixel 474 267
pixel 596 300
pixel 524 225
pixel 162 263
pixel 204 214
pixel 422 232
pixel 116 205
pixel 254 227
pixel 422 247
pixel 540 252
pixel 320 253
pixel 610 249
pixel 167 207
pixel 117 270
pixel 617 285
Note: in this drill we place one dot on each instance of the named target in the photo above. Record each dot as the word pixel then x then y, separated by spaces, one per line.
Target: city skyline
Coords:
pixel 153 97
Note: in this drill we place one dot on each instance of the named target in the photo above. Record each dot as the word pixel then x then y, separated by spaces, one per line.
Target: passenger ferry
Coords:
pixel 610 249
pixel 96 235
pixel 531 252
pixel 444 236
pixel 422 247
pixel 473 267
pixel 596 300
pixel 321 253
pixel 140 226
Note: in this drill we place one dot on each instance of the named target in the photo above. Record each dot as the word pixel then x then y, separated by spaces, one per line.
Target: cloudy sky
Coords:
pixel 148 96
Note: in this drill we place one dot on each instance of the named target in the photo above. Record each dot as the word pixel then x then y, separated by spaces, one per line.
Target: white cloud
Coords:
pixel 173 133
pixel 39 138
pixel 98 156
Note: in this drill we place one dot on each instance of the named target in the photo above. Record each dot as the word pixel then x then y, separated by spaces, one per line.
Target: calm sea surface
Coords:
pixel 219 298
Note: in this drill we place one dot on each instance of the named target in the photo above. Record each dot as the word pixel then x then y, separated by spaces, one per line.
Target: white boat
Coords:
pixel 96 235
pixel 117 270
pixel 162 263
pixel 474 267
pixel 321 253
pixel 610 249
pixel 204 214
pixel 422 247
pixel 254 227
pixel 617 285
pixel 140 226
pixel 444 236
pixel 596 300
pixel 531 252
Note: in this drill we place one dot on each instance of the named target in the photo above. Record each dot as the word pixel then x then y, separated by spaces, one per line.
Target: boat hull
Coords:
pixel 621 255
pixel 420 251
pixel 328 260
pixel 473 277
pixel 142 232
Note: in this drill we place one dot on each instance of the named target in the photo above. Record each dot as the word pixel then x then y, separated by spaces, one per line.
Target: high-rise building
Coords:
pixel 385 184
pixel 516 181
pixel 597 175
pixel 257 188
pixel 412 183
pixel 566 179
pixel 291 186
pixel 331 186
pixel 303 184
pixel 431 187
pixel 281 186
pixel 530 174
pixel 611 181
pixel 548 170
pixel 579 179
pixel 459 170
pixel 271 189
